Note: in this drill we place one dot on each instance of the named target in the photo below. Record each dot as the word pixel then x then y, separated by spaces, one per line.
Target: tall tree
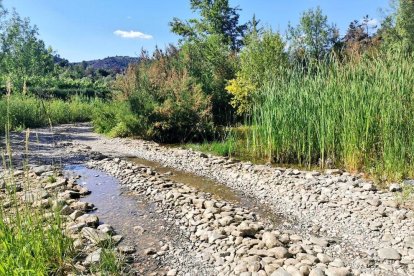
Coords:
pixel 405 24
pixel 209 43
pixel 23 54
pixel 216 18
pixel 253 27
pixel 313 37
pixel 360 36
pixel 397 29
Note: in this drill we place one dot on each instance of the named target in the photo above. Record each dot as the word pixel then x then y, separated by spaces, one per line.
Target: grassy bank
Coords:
pixel 32 243
pixel 28 111
pixel 35 233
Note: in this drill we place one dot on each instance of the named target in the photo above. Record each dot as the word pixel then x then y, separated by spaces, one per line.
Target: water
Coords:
pixel 217 190
pixel 129 212
pixel 125 212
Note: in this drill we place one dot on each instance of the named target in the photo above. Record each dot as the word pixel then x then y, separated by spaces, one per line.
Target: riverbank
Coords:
pixel 367 228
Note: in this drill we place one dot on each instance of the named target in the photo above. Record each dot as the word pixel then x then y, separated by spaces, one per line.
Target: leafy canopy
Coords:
pixel 263 58
pixel 22 54
pixel 313 37
pixel 216 18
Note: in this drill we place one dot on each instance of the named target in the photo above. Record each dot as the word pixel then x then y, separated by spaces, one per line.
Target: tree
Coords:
pixel 262 58
pixel 405 24
pixel 253 27
pixel 209 46
pixel 397 29
pixel 212 64
pixel 23 55
pixel 313 37
pixel 360 37
pixel 216 18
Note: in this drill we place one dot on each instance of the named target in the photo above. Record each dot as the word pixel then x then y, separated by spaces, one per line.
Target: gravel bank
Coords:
pixel 373 233
pixel 232 240
pixel 364 227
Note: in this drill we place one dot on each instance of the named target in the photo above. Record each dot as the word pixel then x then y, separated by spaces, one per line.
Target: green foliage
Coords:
pixel 357 115
pixel 29 111
pixel 405 24
pixel 109 264
pixel 313 37
pixel 262 58
pixel 157 99
pixel 209 46
pixel 211 63
pixel 116 119
pixel 29 247
pixel 217 18
pixel 22 54
pixel 221 148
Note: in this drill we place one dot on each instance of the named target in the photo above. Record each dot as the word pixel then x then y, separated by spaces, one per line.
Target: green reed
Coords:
pixel 358 115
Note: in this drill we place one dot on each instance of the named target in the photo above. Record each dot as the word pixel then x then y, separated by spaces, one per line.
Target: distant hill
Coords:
pixel 117 63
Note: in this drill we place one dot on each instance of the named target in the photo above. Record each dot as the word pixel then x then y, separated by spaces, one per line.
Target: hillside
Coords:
pixel 117 63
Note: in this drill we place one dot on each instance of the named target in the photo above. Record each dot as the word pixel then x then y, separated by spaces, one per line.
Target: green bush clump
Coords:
pixel 115 119
pixel 157 99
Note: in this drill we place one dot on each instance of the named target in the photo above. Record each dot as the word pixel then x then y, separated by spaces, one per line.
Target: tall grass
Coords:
pixel 32 240
pixel 29 111
pixel 32 244
pixel 359 115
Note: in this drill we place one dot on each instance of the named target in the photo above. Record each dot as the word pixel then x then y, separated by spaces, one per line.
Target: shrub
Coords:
pixel 262 58
pixel 157 99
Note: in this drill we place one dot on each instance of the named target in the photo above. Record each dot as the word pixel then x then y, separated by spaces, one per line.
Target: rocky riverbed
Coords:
pixel 334 223
pixel 47 192
pixel 233 240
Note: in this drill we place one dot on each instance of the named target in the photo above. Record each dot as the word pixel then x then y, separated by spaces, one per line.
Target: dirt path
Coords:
pixel 330 222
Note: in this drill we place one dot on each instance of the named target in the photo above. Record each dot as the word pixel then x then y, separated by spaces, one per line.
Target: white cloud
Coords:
pixel 373 22
pixel 132 34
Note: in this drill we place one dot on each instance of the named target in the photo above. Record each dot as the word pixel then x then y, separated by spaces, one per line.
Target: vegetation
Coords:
pixel 355 115
pixel 30 111
pixel 157 99
pixel 310 97
pixel 262 58
pixel 32 244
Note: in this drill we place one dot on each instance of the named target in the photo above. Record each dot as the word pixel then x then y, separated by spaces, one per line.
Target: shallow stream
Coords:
pixel 130 215
pixel 217 190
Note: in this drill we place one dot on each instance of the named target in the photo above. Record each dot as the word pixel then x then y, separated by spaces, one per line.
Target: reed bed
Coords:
pixel 358 115
pixel 29 111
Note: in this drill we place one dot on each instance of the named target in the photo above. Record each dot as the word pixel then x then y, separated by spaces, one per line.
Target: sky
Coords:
pixel 91 29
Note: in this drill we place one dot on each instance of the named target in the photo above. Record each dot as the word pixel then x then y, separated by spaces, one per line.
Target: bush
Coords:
pixel 262 58
pixel 115 119
pixel 157 99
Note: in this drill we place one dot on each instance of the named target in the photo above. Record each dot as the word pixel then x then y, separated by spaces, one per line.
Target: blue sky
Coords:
pixel 89 29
